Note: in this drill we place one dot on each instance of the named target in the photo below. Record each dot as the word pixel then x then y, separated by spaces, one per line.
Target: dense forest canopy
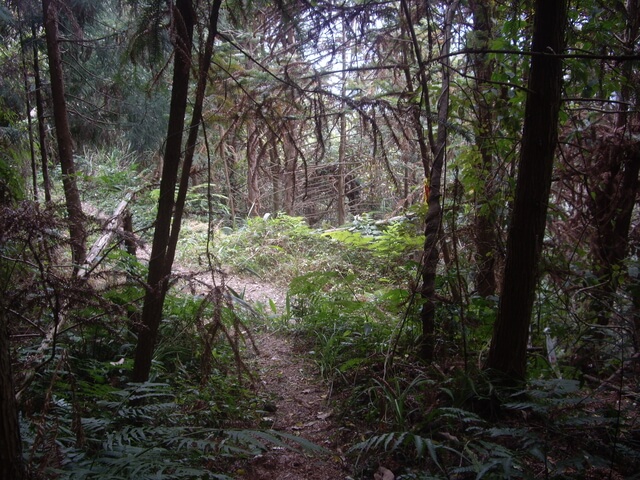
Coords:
pixel 447 190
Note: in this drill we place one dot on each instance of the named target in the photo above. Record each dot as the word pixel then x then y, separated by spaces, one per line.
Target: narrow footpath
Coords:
pixel 299 404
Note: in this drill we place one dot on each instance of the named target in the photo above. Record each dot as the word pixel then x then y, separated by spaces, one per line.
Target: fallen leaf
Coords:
pixel 384 474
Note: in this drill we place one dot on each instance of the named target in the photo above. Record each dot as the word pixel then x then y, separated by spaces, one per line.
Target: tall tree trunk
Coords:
pixel 290 163
pixel 612 203
pixel 77 232
pixel 507 355
pixel 485 218
pixel 613 198
pixel 159 269
pixel 433 175
pixel 42 133
pixel 253 165
pixel 342 148
pixel 11 465
pixel 27 97
pixel 166 247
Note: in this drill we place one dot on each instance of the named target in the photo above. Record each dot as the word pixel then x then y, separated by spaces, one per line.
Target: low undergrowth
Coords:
pixel 197 415
pixel 447 419
pixel 351 305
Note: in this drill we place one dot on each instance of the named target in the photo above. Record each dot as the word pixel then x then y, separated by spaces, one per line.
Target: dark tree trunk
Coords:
pixel 614 191
pixel 433 222
pixel 42 134
pixel 11 465
pixel 166 239
pixel 485 218
pixel 430 252
pixel 253 169
pixel 204 65
pixel 507 355
pixel 159 269
pixel 612 207
pixel 77 232
pixel 27 97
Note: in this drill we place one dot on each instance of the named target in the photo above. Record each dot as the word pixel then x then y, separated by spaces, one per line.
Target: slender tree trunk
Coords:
pixel 159 269
pixel 166 247
pixel 342 148
pixel 433 220
pixel 11 465
pixel 290 163
pixel 77 232
pixel 228 162
pixel 430 251
pixel 507 355
pixel 204 65
pixel 42 134
pixel 253 191
pixel 485 218
pixel 614 197
pixel 27 97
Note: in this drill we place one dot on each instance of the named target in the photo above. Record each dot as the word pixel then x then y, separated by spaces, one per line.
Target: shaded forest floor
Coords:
pixel 300 405
pixel 299 400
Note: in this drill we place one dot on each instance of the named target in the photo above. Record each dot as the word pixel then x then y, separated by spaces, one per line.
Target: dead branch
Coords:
pixel 93 259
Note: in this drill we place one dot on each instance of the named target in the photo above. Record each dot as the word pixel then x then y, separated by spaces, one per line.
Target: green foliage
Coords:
pixel 553 427
pixel 351 299
pixel 272 246
pixel 342 327
pixel 140 432
pixel 175 426
pixel 11 182
pixel 199 204
pixel 284 247
pixel 396 402
pixel 390 241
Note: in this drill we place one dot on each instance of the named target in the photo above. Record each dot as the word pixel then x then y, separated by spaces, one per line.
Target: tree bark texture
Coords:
pixel 507 355
pixel 155 297
pixel 159 269
pixel 612 203
pixel 615 187
pixel 433 222
pixel 485 219
pixel 42 133
pixel 11 465
pixel 253 169
pixel 77 234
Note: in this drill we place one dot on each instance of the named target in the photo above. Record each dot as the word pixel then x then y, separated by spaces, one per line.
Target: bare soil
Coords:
pixel 299 399
pixel 299 402
pixel 300 406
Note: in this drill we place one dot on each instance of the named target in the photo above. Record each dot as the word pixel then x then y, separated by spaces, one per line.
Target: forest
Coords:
pixel 316 239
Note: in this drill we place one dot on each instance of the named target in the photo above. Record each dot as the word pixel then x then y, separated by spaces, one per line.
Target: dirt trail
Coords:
pixel 298 405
